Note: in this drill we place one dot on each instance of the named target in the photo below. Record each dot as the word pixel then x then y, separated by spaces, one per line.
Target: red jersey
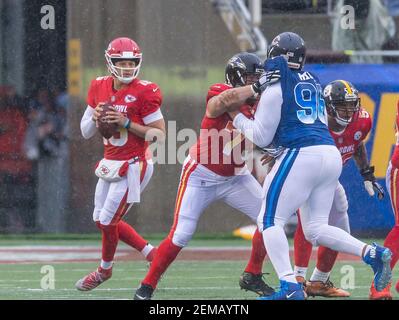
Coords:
pixel 220 146
pixel 395 156
pixel 139 101
pixel 348 141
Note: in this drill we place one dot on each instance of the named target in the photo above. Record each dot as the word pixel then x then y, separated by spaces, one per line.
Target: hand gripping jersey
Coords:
pixel 220 146
pixel 395 156
pixel 303 116
pixel 140 101
pixel 348 141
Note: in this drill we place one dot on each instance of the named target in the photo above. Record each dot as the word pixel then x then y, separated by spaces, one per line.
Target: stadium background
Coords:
pixel 185 46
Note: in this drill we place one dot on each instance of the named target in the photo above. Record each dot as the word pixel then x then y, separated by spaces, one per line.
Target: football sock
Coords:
pixel 392 242
pixel 300 271
pixel 302 248
pixel 318 275
pixel 148 252
pixel 338 240
pixel 277 248
pixel 106 264
pixel 326 259
pixel 109 241
pixel 166 254
pixel 258 254
pixel 130 236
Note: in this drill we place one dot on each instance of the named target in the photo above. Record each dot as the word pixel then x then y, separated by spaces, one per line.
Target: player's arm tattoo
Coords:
pixel 228 101
pixel 360 156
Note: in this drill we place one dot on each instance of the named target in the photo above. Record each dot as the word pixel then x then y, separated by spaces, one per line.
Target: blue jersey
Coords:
pixel 303 115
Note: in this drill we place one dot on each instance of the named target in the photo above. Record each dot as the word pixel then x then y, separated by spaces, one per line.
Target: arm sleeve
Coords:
pixel 87 125
pixel 91 101
pixel 262 128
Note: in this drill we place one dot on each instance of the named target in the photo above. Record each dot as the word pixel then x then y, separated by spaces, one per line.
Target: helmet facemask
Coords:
pixel 344 112
pixel 119 72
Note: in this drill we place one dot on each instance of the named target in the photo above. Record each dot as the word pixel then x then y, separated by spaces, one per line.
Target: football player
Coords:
pixel 291 114
pixel 392 239
pixel 349 125
pixel 215 170
pixel 136 111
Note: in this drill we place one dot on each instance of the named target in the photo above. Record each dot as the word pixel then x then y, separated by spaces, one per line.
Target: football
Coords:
pixel 106 129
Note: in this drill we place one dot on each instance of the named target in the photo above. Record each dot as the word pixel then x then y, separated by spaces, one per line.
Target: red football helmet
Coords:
pixel 123 49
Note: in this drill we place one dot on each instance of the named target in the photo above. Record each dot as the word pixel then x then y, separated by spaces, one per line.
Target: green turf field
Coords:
pixel 184 280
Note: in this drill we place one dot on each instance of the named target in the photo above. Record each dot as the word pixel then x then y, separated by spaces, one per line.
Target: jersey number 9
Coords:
pixel 308 97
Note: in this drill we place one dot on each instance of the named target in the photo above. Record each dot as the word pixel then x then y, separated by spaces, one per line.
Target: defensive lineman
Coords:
pixel 291 114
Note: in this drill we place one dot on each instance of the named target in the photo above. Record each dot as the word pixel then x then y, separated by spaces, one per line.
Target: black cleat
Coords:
pixel 144 292
pixel 255 283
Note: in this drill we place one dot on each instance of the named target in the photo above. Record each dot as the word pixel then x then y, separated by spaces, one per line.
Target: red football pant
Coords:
pixel 392 239
pixel 258 254
pixel 166 254
pixel 303 250
pixel 392 242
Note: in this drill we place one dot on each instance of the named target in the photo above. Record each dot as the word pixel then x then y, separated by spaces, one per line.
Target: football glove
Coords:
pixel 266 79
pixel 370 183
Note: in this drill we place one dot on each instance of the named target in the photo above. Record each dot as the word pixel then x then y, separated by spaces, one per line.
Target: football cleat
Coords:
pixel 144 292
pixel 327 290
pixel 385 294
pixel 379 259
pixel 254 282
pixel 288 291
pixel 93 279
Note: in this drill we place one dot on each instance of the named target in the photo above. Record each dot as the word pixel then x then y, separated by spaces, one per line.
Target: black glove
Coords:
pixel 265 80
pixel 370 183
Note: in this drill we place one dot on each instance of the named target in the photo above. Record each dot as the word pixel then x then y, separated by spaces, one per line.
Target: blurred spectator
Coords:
pixel 46 127
pixel 374 27
pixel 17 197
pixel 46 142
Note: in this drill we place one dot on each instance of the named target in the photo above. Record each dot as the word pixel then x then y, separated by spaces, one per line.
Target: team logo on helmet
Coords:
pixel 327 90
pixel 276 40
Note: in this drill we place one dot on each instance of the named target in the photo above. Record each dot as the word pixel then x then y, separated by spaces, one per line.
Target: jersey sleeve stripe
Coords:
pixel 157 115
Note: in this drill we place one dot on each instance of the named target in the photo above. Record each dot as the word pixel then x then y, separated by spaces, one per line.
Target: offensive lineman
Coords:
pixel 215 170
pixel 136 110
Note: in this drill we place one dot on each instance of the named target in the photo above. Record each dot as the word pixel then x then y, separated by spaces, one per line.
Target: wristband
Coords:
pixel 127 124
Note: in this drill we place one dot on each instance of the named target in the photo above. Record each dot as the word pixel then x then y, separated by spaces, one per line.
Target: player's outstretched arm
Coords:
pixel 262 128
pixel 367 172
pixel 228 101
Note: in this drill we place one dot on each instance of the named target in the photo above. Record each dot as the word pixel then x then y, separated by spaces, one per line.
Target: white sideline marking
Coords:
pixel 40 253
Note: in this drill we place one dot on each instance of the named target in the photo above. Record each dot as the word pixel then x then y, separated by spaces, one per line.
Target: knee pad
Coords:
pixel 184 231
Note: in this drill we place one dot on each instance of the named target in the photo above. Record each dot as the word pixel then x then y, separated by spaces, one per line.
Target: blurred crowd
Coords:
pixel 32 131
